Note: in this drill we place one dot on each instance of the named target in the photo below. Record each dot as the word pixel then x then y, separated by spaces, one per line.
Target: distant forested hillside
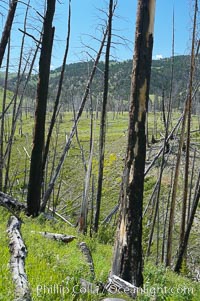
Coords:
pixel 76 76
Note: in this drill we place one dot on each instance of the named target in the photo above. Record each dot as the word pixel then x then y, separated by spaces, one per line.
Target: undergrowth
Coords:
pixel 54 269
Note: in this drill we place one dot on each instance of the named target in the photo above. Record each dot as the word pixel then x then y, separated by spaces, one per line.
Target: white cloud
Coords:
pixel 158 57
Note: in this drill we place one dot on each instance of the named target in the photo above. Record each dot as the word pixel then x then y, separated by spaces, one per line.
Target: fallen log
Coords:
pixel 113 299
pixel 86 252
pixel 9 202
pixel 56 236
pixel 117 285
pixel 93 288
pixel 17 261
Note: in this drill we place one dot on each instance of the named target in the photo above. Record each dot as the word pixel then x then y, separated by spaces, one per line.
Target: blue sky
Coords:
pixel 87 18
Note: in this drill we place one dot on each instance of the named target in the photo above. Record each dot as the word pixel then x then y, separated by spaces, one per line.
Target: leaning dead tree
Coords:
pixel 17 264
pixel 7 29
pixel 127 260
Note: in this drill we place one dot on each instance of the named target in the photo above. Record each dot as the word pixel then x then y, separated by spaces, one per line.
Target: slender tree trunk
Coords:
pixel 165 145
pixel 103 120
pixel 35 177
pixel 176 176
pixel 127 260
pixel 85 201
pixel 187 156
pixel 15 113
pixel 55 110
pixel 2 159
pixel 184 242
pixel 7 29
pixel 165 221
pixel 73 130
pixel 163 108
pixel 191 185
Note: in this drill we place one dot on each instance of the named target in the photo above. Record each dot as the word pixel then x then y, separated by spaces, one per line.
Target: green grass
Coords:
pixel 50 264
pixel 6 286
pixel 54 269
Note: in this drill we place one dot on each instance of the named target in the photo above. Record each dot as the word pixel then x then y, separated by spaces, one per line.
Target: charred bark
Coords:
pixel 9 202
pixel 55 110
pixel 35 177
pixel 128 261
pixel 7 29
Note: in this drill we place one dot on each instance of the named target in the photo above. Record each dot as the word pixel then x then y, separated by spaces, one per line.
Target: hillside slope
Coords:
pixel 76 76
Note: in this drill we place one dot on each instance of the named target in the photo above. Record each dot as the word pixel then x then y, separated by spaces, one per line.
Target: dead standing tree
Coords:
pixel 74 127
pixel 35 177
pixel 7 29
pixel 189 109
pixel 128 261
pixel 186 114
pixel 56 104
pixel 103 118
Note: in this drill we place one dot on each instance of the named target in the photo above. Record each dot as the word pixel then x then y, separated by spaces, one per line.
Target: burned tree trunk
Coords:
pixel 35 177
pixel 189 109
pixel 128 261
pixel 9 202
pixel 55 109
pixel 7 29
pixel 74 127
pixel 102 135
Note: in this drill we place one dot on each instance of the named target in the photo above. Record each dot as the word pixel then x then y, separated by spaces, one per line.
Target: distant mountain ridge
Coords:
pixel 76 76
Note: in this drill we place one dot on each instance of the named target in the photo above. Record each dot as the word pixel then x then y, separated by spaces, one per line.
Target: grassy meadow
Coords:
pixel 54 269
